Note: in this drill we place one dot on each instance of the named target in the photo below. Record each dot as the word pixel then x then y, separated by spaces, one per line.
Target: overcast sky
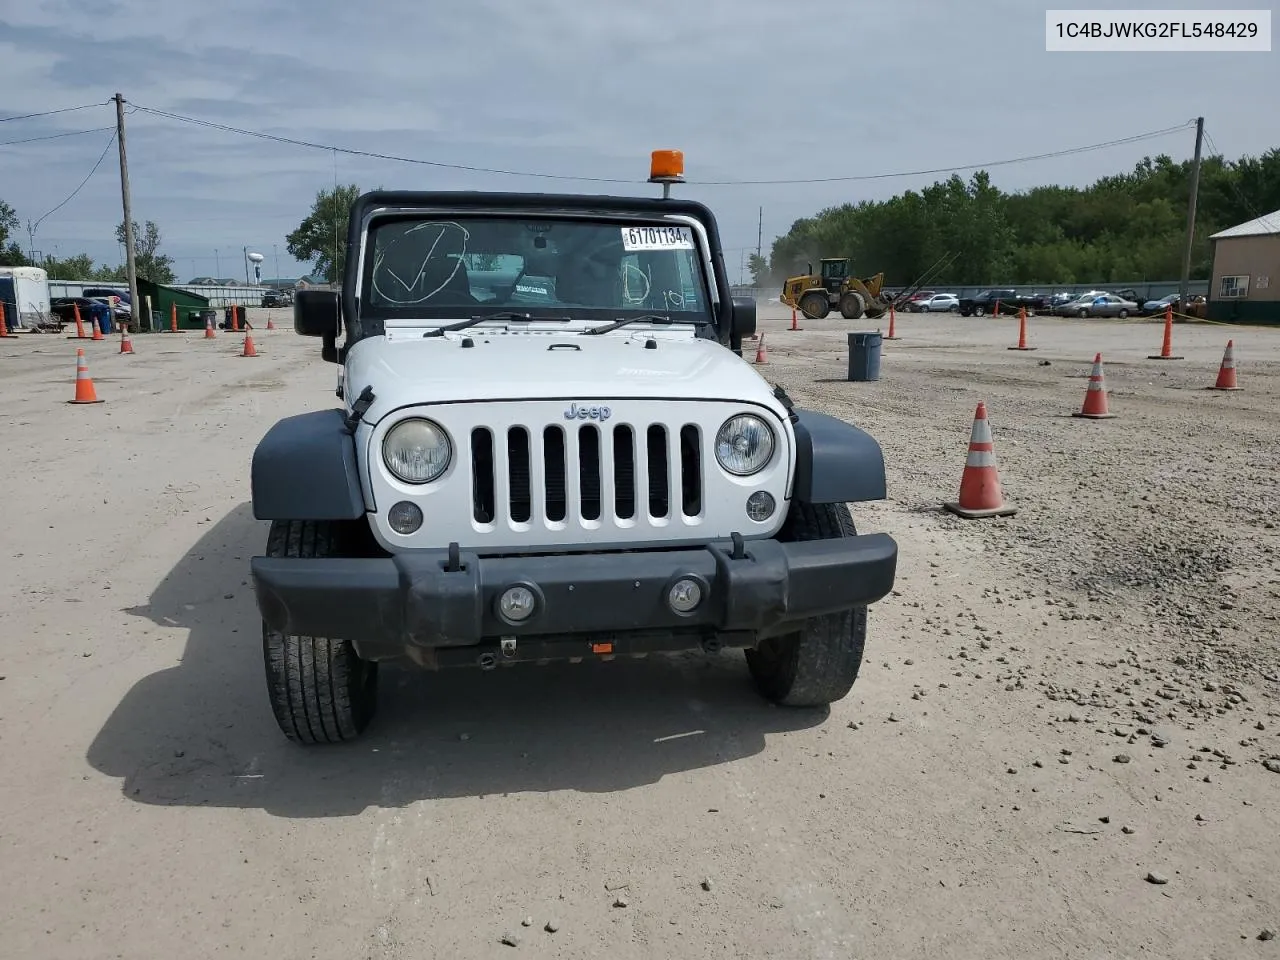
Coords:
pixel 748 89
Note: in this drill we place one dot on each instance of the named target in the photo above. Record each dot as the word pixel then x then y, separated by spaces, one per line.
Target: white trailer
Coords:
pixel 31 291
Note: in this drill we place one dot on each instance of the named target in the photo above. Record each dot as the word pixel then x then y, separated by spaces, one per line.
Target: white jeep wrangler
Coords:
pixel 550 448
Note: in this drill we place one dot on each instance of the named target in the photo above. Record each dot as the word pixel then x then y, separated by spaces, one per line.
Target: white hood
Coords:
pixel 546 366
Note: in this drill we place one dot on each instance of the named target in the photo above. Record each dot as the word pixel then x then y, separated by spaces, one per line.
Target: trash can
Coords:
pixel 100 316
pixel 864 356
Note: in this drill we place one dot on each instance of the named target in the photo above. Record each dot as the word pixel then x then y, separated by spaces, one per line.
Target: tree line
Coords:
pixel 149 262
pixel 1130 227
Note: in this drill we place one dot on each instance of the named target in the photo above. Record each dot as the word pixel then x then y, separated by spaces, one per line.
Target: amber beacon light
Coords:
pixel 666 167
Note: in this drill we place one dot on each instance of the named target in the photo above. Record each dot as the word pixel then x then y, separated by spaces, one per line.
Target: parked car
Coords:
pixel 64 308
pixel 276 298
pixel 1152 307
pixel 912 303
pixel 117 298
pixel 120 312
pixel 1005 301
pixel 939 303
pixel 1097 305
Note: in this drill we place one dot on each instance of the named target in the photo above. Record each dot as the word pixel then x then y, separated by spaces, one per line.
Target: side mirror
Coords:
pixel 315 313
pixel 744 317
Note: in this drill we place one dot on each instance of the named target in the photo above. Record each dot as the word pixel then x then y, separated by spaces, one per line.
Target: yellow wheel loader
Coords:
pixel 815 295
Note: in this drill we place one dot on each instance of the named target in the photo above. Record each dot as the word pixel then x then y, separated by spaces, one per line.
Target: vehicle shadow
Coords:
pixel 201 733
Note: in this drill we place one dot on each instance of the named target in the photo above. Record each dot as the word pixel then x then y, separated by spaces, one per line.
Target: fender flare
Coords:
pixel 305 468
pixel 836 462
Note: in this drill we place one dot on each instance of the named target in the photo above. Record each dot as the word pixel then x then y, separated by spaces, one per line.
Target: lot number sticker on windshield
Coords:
pixel 657 238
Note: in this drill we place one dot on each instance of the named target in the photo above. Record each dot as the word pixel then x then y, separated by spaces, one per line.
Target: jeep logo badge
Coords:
pixel 576 412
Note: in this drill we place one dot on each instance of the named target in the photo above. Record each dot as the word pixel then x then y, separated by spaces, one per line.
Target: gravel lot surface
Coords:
pixel 1065 741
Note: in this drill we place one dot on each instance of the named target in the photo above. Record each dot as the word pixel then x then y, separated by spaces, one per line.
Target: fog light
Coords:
pixel 404 517
pixel 517 603
pixel 760 506
pixel 684 595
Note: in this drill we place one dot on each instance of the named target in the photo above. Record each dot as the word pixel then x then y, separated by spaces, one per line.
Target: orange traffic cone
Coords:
pixel 80 334
pixel 795 320
pixel 980 494
pixel 893 317
pixel 126 345
pixel 761 355
pixel 1227 372
pixel 173 318
pixel 4 326
pixel 1095 398
pixel 208 329
pixel 1022 331
pixel 249 349
pixel 235 319
pixel 84 384
pixel 1166 349
pixel 97 330
pixel 272 326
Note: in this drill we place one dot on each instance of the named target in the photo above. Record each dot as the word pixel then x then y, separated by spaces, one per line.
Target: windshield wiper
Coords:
pixel 501 315
pixel 647 318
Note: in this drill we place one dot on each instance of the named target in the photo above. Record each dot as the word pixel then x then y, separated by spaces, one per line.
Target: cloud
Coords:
pixel 748 89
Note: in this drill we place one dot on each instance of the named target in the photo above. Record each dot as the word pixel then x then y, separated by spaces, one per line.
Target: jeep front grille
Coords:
pixel 586 474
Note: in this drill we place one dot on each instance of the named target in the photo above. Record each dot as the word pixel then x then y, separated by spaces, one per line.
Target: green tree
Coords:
pixel 322 237
pixel 1122 228
pixel 148 261
pixel 11 254
pixel 79 267
pixel 761 275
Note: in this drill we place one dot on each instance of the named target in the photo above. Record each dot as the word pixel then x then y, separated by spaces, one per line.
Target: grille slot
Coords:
pixel 624 472
pixel 690 471
pixel 587 473
pixel 520 496
pixel 555 481
pixel 659 493
pixel 483 500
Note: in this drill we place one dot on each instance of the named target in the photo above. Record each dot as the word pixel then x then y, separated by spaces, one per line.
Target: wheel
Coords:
pixel 815 306
pixel 1083 314
pixel 979 311
pixel 1124 314
pixel 320 691
pixel 819 663
pixel 851 306
pixel 953 309
pixel 923 308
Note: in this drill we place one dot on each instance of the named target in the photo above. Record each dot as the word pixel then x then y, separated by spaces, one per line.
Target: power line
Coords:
pixel 55 136
pixel 82 183
pixel 974 166
pixel 718 183
pixel 376 156
pixel 50 113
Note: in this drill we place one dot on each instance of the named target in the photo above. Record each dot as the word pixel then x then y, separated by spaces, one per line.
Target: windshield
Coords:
pixel 446 268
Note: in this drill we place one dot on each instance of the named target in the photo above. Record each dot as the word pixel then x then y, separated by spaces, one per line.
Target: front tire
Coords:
pixel 852 307
pixel 815 306
pixel 320 691
pixel 818 663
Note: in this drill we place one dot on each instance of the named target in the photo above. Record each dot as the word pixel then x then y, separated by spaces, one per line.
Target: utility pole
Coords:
pixel 760 233
pixel 131 270
pixel 1191 219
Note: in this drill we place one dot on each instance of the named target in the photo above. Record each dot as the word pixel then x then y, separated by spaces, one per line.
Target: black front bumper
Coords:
pixel 430 601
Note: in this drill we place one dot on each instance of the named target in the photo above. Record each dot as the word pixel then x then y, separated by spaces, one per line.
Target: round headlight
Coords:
pixel 744 445
pixel 416 451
